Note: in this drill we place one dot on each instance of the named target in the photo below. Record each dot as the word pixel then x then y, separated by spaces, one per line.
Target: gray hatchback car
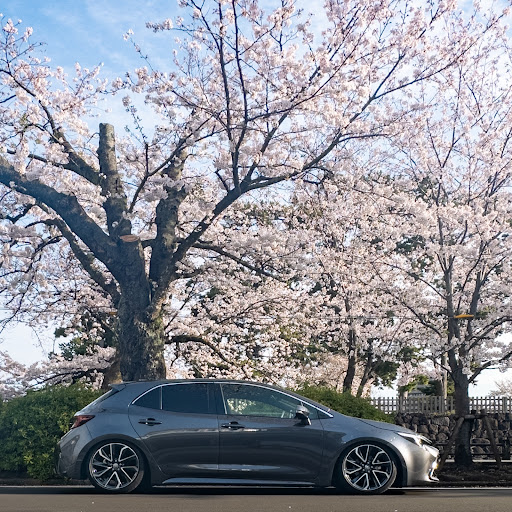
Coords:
pixel 224 432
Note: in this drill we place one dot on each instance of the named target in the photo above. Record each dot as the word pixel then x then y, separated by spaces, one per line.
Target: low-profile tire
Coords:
pixel 365 468
pixel 115 467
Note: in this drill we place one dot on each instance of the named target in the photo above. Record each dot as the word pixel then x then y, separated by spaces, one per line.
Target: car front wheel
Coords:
pixel 365 468
pixel 115 467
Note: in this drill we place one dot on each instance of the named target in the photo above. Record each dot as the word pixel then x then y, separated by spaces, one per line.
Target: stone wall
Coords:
pixel 438 429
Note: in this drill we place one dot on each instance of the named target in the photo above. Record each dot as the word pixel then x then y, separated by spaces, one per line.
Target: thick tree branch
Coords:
pixel 86 260
pixel 222 252
pixel 184 338
pixel 76 164
pixel 67 207
pixel 162 264
pixel 115 205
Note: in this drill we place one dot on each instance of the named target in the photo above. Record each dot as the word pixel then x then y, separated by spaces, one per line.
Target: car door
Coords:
pixel 178 424
pixel 260 438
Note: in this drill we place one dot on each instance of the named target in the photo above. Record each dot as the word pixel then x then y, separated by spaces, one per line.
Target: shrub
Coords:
pixel 344 403
pixel 31 425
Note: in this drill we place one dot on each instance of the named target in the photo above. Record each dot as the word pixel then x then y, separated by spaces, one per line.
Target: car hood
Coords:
pixel 386 426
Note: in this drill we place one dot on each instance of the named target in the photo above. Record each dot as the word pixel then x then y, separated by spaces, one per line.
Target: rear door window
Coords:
pixel 151 399
pixel 193 398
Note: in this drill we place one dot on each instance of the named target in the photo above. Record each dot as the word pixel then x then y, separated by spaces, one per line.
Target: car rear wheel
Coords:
pixel 116 467
pixel 365 468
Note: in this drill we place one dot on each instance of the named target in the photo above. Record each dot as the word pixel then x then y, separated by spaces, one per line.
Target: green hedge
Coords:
pixel 345 403
pixel 31 425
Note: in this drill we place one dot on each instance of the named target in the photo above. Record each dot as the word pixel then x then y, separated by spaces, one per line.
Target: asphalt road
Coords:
pixel 229 499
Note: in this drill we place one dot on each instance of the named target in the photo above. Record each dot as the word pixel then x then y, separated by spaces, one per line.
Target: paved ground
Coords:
pixel 229 499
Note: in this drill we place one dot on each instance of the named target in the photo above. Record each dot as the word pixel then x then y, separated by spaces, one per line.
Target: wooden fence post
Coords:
pixel 450 443
pixel 490 435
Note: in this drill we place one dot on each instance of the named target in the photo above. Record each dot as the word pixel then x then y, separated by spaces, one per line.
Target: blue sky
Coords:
pixel 91 32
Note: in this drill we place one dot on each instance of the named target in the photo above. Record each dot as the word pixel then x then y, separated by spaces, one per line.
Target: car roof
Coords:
pixel 160 382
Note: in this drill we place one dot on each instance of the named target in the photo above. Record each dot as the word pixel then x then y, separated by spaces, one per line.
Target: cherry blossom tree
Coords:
pixel 16 378
pixel 450 198
pixel 251 100
pixel 503 388
pixel 356 317
pixel 292 325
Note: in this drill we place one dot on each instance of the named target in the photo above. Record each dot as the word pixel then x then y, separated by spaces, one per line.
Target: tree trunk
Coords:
pixel 348 381
pixel 141 337
pixel 463 455
pixel 141 345
pixel 444 379
pixel 366 374
pixel 112 374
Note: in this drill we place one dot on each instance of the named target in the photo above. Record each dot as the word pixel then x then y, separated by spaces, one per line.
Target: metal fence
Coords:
pixel 437 404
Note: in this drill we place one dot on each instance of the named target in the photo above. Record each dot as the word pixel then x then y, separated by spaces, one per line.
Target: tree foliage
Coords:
pixel 250 100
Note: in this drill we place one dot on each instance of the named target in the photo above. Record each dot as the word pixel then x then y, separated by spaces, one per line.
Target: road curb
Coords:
pixel 30 482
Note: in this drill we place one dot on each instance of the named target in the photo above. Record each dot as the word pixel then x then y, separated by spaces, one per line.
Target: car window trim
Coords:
pixel 264 387
pixel 209 393
pixel 145 393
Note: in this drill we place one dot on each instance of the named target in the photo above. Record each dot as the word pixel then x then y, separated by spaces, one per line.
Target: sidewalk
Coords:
pixel 481 473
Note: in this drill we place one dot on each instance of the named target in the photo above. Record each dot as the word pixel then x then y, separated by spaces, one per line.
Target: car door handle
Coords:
pixel 150 421
pixel 233 425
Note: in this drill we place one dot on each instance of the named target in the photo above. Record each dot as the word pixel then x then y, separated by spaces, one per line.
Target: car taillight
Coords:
pixel 81 419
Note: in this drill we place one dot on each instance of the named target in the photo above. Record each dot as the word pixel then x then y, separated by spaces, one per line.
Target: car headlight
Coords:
pixel 417 439
pixel 422 442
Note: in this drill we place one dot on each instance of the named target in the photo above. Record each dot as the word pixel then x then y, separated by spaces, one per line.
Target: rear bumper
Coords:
pixel 70 453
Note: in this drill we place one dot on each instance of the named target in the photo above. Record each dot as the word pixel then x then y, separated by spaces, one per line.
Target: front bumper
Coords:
pixel 423 466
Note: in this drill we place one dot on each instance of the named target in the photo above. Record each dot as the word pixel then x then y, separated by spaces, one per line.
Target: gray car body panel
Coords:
pixel 301 454
pixel 77 444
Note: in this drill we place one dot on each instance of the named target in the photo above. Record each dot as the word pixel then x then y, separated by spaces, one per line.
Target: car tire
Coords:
pixel 365 468
pixel 116 467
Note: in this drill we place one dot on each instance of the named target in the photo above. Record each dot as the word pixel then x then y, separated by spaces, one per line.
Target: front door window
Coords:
pixel 248 400
pixel 261 437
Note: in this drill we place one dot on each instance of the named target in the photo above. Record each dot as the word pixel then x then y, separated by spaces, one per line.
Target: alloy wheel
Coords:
pixel 114 466
pixel 368 468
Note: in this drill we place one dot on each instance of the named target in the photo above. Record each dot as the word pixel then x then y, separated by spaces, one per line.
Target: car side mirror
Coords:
pixel 302 414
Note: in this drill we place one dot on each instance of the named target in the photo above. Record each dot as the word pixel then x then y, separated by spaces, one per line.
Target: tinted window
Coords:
pixel 152 399
pixel 187 398
pixel 246 400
